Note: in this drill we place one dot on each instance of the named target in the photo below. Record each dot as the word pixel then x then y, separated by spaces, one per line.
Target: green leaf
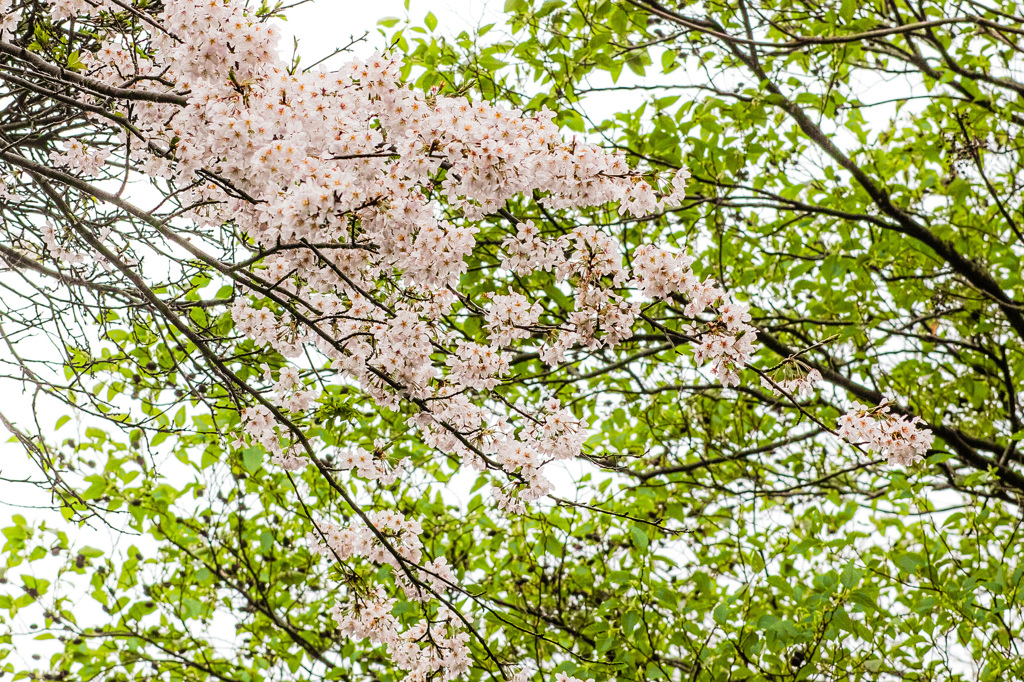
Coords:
pixel 851 576
pixel 491 63
pixel 252 459
pixel 639 537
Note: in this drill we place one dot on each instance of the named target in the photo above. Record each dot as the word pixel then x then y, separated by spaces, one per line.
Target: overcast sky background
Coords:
pixel 322 26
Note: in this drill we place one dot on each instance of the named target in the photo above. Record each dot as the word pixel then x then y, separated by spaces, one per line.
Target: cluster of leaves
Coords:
pixel 855 174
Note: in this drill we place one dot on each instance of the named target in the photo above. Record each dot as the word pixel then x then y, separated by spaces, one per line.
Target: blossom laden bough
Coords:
pixel 900 440
pixel 356 157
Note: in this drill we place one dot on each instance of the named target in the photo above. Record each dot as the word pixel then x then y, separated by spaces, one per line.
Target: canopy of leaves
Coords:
pixel 857 179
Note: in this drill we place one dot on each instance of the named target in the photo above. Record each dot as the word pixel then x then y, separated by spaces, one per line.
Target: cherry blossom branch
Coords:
pixel 90 85
pixel 233 379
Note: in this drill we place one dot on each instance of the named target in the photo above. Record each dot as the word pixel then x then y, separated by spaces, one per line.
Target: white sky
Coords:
pixel 322 26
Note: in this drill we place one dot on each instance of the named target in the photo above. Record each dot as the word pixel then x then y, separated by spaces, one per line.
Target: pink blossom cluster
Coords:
pixel 435 649
pixel 802 386
pixel 477 366
pixel 660 273
pixel 9 19
pixel 290 392
pixel 726 347
pixel 552 352
pixel 258 323
pixel 259 424
pixel 510 318
pixel 403 535
pixel 79 157
pixel 528 252
pixel 114 56
pixel 900 440
pixel 368 466
pixel 427 648
pixel 554 434
pixel 726 342
pixel 58 250
pixel 403 550
pixel 355 161
pixel 67 9
pixel 531 485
